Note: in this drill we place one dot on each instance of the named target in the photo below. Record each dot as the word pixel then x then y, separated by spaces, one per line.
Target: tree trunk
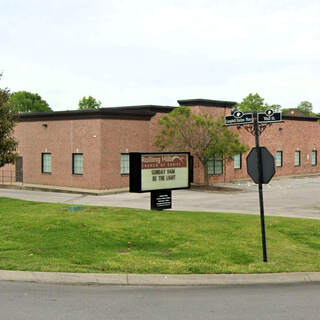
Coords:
pixel 205 170
pixel 205 173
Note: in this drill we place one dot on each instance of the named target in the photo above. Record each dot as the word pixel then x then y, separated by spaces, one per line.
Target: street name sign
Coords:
pixel 269 116
pixel 238 118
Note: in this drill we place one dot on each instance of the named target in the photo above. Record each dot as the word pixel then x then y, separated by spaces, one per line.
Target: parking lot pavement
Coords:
pixel 291 197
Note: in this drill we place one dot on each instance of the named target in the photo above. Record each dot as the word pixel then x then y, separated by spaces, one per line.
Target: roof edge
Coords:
pixel 299 118
pixel 206 103
pixel 125 112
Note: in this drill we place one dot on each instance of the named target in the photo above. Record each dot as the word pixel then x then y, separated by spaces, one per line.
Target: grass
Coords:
pixel 38 236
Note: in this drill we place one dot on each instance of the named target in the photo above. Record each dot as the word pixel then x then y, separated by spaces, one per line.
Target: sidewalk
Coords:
pixel 42 187
pixel 159 279
pixel 230 187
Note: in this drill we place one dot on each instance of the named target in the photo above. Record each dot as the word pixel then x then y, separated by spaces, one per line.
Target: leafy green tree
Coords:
pixel 24 101
pixel 8 116
pixel 306 108
pixel 255 103
pixel 285 111
pixel 89 103
pixel 200 135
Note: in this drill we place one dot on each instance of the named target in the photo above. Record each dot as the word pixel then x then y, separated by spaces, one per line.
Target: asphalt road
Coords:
pixel 294 197
pixel 24 301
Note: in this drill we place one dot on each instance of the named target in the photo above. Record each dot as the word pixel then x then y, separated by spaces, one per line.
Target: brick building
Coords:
pixel 89 148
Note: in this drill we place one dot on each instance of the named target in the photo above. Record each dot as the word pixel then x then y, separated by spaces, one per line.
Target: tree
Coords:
pixel 24 101
pixel 255 103
pixel 7 120
pixel 89 103
pixel 200 135
pixel 306 108
pixel 285 110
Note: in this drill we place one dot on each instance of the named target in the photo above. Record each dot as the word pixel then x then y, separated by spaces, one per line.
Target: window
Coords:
pixel 124 164
pixel 297 158
pixel 279 160
pixel 314 157
pixel 237 161
pixel 46 162
pixel 77 163
pixel 215 165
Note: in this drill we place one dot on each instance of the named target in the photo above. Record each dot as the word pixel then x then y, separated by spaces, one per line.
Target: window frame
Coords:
pixel 240 161
pixel 315 153
pixel 279 165
pixel 215 160
pixel 73 163
pixel 43 166
pixel 124 164
pixel 299 158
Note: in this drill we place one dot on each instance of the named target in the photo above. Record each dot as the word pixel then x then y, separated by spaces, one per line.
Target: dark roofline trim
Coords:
pixel 144 112
pixel 85 114
pixel 299 118
pixel 207 103
pixel 149 107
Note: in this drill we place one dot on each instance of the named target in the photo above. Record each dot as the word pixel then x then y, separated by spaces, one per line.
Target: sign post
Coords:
pixel 260 171
pixel 159 173
pixel 259 166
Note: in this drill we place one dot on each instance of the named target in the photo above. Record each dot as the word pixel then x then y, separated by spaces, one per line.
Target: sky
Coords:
pixel 140 52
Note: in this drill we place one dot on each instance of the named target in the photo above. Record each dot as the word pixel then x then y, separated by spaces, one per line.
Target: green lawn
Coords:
pixel 47 237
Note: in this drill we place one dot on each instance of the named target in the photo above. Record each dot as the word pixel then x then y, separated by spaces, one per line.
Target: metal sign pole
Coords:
pixel 260 172
pixel 259 166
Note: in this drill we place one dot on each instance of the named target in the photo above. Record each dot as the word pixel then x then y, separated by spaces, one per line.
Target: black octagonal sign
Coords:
pixel 267 165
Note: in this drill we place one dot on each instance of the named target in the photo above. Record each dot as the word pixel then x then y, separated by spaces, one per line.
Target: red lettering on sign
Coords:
pixel 154 161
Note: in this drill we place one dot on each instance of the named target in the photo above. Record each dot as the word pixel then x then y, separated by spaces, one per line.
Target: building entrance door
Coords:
pixel 19 169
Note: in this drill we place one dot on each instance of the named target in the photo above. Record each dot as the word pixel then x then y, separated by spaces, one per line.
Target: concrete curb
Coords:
pixel 45 188
pixel 159 279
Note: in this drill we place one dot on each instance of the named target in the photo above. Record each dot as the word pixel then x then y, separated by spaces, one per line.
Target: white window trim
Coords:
pixel 124 163
pixel 46 162
pixel 76 168
pixel 239 161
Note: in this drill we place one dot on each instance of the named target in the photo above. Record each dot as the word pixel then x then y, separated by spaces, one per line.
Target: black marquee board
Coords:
pixel 159 173
pixel 164 174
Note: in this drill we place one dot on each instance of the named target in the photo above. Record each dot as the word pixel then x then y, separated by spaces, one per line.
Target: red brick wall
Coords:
pixel 287 137
pixel 103 140
pixel 8 173
pixel 293 135
pixel 100 140
pixel 120 136
pixel 154 129
pixel 61 138
pixel 215 112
